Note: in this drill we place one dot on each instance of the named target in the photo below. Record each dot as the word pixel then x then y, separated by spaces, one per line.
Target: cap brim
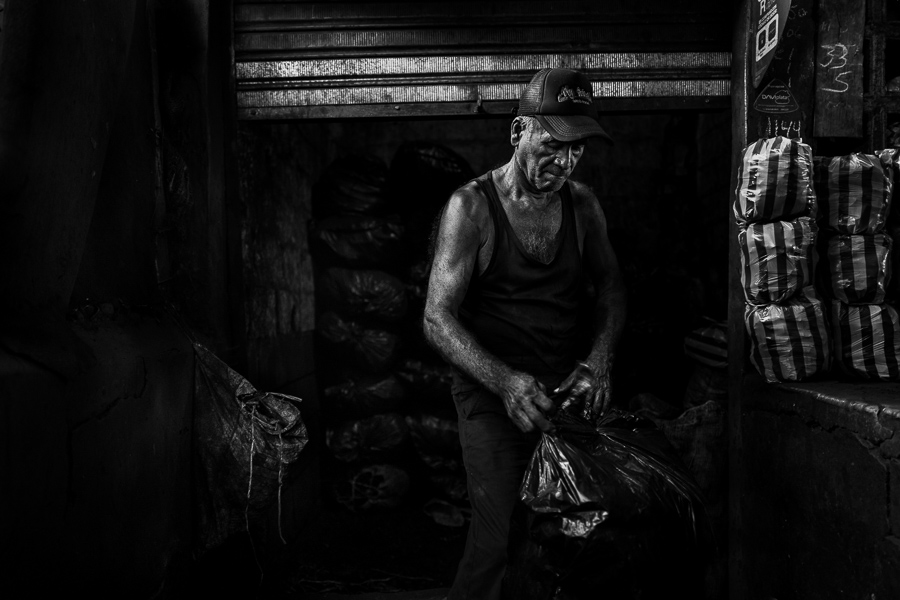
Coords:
pixel 570 128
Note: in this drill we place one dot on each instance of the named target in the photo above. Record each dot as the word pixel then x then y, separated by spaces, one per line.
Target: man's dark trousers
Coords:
pixel 495 454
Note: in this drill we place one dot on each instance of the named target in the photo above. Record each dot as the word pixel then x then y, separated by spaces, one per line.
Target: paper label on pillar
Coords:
pixel 768 19
pixel 776 99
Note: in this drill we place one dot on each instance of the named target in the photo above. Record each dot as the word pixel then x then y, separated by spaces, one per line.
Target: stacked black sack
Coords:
pixel 855 193
pixel 422 177
pixel 356 241
pixel 391 425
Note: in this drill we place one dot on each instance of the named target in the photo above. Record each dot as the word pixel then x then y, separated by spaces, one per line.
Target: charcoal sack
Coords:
pixel 417 276
pixel 422 177
pixel 699 436
pixel 853 192
pixel 775 182
pixel 352 184
pixel 247 444
pixel 776 259
pixel 859 267
pixel 445 513
pixel 427 173
pixel 436 440
pixel 867 340
pixel 429 381
pixel 358 398
pixel 789 341
pixel 368 349
pixel 706 384
pixel 607 511
pixel 363 294
pixel 357 241
pixel 373 487
pixel 450 483
pixel 372 439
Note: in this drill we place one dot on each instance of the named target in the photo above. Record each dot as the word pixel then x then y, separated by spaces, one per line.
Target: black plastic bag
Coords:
pixel 413 325
pixel 445 513
pixel 357 240
pixel 418 275
pixel 451 483
pixel 363 293
pixel 247 443
pixel 360 398
pixel 353 184
pixel 372 439
pixel 429 380
pixel 370 349
pixel 373 486
pixel 424 174
pixel 422 177
pixel 436 440
pixel 608 511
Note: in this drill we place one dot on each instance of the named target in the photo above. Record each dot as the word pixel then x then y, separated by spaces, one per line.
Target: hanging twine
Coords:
pixel 249 489
pixel 280 483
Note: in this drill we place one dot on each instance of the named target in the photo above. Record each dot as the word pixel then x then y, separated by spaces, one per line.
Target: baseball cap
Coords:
pixel 562 100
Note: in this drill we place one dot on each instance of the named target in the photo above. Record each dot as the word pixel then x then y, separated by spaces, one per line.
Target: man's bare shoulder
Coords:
pixel 585 201
pixel 468 203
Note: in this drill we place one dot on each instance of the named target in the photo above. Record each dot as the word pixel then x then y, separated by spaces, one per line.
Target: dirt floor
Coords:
pixel 388 551
pixel 396 554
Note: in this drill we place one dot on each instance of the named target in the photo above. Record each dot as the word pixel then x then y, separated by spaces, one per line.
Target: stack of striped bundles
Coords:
pixel 855 197
pixel 775 207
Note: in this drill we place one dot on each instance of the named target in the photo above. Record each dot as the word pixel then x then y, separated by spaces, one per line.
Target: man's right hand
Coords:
pixel 527 403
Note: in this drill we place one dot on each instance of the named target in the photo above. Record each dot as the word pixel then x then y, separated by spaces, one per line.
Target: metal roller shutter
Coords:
pixel 431 59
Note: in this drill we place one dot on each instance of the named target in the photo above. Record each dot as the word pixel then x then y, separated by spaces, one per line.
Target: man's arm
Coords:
pixel 464 221
pixel 589 383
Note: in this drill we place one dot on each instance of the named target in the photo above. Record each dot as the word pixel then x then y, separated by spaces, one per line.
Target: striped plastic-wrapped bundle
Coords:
pixel 789 341
pixel 860 267
pixel 853 191
pixel 708 345
pixel 776 259
pixel 890 158
pixel 867 340
pixel 775 182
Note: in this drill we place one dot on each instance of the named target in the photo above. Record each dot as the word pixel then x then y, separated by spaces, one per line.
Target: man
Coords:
pixel 507 286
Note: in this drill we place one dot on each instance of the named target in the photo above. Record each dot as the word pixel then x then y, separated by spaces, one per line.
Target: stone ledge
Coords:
pixel 869 409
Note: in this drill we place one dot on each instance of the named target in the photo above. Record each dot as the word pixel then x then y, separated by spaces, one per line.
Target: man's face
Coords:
pixel 545 162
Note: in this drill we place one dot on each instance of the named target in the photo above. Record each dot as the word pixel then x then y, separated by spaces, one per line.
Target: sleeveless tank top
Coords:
pixel 521 310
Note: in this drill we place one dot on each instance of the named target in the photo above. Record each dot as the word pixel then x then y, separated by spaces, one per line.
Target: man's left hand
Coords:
pixel 586 388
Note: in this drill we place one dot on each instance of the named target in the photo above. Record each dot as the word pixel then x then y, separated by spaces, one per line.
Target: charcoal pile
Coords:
pixel 391 429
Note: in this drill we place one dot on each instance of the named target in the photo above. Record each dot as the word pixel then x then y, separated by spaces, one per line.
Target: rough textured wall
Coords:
pixel 277 167
pixel 98 465
pixel 57 103
pixel 95 403
pixel 194 228
pixel 119 252
pixel 821 490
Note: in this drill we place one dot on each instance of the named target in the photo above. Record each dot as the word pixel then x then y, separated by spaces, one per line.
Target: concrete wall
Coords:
pixel 820 509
